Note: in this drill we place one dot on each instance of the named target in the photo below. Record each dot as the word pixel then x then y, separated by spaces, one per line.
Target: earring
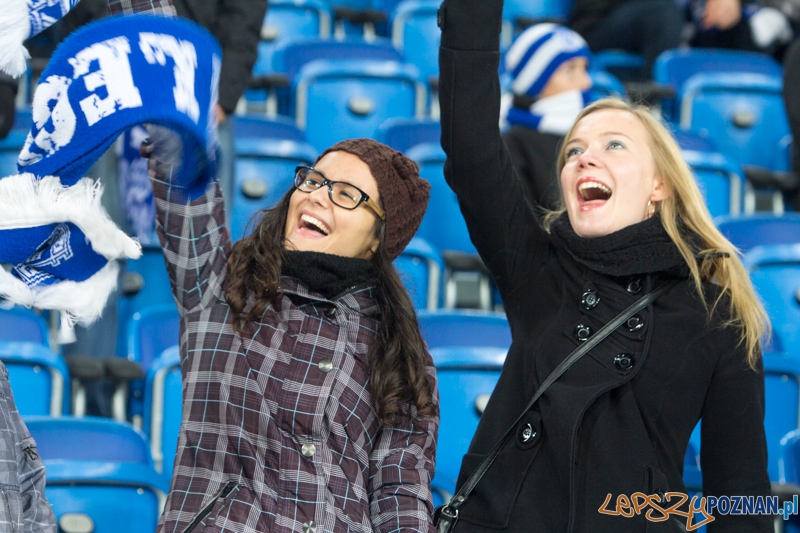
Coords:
pixel 651 209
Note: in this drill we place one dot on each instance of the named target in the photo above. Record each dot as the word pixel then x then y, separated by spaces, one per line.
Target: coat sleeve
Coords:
pixel 37 516
pixel 401 469
pixel 733 444
pixel 238 28
pixel 478 168
pixel 195 240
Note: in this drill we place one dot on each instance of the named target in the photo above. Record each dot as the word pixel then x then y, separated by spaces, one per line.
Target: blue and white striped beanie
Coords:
pixel 538 52
pixel 21 19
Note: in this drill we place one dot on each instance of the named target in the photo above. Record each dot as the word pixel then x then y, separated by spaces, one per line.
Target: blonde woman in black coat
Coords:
pixel 617 422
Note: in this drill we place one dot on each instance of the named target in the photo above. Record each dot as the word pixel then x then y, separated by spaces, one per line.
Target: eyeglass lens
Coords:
pixel 342 194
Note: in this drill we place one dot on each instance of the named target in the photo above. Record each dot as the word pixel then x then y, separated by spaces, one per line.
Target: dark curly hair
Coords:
pixel 396 359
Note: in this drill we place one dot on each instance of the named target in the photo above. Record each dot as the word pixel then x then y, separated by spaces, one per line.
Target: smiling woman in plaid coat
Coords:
pixel 310 401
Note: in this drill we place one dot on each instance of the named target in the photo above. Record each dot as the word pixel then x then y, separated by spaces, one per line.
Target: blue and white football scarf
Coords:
pixel 105 78
pixel 554 114
pixel 20 19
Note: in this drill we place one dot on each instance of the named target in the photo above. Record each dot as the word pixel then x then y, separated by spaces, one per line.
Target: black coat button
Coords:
pixel 526 435
pixel 590 299
pixel 330 312
pixel 583 332
pixel 623 362
pixel 634 323
pixel 634 286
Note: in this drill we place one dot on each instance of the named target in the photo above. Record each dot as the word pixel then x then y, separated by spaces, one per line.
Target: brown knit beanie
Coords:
pixel 404 195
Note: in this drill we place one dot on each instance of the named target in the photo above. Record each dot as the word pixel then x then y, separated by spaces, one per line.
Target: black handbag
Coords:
pixel 445 516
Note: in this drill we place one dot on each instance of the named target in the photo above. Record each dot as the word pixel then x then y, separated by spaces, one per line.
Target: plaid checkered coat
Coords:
pixel 278 431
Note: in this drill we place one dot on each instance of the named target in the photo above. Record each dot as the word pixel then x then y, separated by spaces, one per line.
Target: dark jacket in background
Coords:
pixel 617 422
pixel 237 26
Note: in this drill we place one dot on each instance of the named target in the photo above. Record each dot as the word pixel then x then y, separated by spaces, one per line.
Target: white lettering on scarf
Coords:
pixel 61 120
pixel 114 74
pixel 156 46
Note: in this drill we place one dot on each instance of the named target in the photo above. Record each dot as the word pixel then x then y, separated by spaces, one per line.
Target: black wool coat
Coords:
pixel 534 155
pixel 619 421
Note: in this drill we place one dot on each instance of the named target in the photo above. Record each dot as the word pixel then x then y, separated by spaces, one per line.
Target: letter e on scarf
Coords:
pixel 114 73
pixel 156 46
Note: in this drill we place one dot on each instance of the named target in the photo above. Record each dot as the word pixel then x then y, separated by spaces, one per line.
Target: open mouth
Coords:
pixel 590 191
pixel 310 223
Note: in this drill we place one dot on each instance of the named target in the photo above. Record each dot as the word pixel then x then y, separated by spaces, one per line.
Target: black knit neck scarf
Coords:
pixel 637 249
pixel 327 274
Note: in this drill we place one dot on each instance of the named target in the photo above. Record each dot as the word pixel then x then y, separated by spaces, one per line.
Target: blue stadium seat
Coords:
pixel 420 267
pixel 290 57
pixel 443 225
pixel 416 34
pixel 149 282
pixel 163 408
pixel 403 133
pixel 110 485
pixel 744 114
pixel 518 14
pixel 39 378
pixel 337 100
pixel 21 324
pixel 782 396
pixel 251 125
pixel 290 20
pixel 675 67
pixel 467 376
pixel 464 328
pixel 149 332
pixel 775 272
pixel 264 173
pixel 748 231
pixel 720 180
pixel 605 84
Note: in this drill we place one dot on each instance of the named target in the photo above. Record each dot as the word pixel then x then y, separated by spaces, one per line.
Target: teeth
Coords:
pixel 586 185
pixel 314 222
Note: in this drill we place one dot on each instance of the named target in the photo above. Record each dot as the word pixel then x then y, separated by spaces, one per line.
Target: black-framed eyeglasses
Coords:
pixel 341 193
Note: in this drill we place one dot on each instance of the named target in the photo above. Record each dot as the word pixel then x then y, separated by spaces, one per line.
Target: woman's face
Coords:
pixel 315 224
pixel 610 174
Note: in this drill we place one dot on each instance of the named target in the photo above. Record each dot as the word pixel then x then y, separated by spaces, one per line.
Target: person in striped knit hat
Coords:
pixel 547 64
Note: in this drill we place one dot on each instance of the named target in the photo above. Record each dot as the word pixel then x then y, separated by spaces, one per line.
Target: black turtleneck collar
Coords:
pixel 327 274
pixel 637 249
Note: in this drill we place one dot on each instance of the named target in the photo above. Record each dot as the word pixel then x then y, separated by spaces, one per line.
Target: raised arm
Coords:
pixel 192 230
pixel 401 469
pixel 498 212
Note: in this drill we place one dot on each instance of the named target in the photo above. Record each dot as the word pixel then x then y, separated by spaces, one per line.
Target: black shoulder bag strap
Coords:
pixel 447 515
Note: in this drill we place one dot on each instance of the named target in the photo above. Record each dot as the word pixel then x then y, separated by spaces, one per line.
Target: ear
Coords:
pixel 660 190
pixel 369 253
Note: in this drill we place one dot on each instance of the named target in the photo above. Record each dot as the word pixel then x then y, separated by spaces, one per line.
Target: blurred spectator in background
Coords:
pixel 8 94
pixel 237 26
pixel 547 64
pixel 646 27
pixel 762 26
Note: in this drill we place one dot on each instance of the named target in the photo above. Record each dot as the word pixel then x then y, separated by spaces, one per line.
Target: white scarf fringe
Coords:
pixel 15 27
pixel 29 202
pixel 82 301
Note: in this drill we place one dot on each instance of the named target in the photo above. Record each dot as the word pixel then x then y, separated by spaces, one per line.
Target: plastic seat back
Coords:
pixel 99 472
pixel 420 267
pixel 775 273
pixel 151 331
pixel 443 328
pixel 403 133
pixel 416 34
pixel 39 378
pixel 443 225
pixel 782 404
pixel 744 113
pixel 20 324
pixel 345 99
pixel 264 173
pixel 467 376
pixel 164 408
pixel 746 232
pixel 719 179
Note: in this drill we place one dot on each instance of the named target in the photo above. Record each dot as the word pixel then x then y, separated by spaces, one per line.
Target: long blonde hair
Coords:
pixel 686 209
